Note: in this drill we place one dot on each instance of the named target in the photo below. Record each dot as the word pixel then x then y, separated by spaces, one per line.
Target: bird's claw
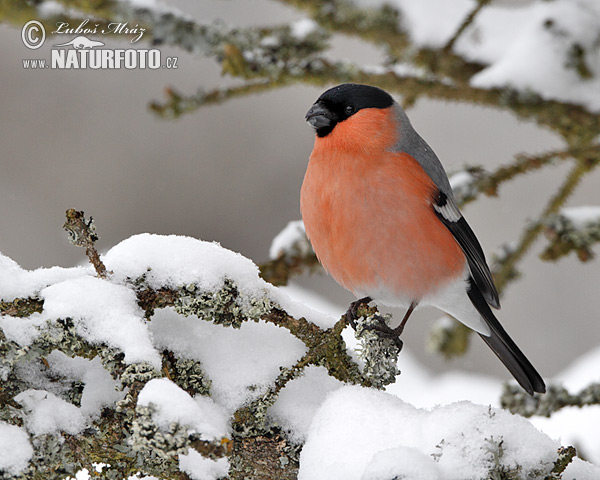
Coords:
pixel 385 331
pixel 353 311
pixel 381 328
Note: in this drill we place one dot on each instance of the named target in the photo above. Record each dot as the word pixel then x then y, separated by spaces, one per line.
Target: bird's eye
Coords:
pixel 350 109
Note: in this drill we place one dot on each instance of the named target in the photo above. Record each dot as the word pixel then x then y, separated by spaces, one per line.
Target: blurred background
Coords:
pixel 232 173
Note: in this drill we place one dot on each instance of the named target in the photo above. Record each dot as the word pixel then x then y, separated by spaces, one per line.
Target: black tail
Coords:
pixel 505 349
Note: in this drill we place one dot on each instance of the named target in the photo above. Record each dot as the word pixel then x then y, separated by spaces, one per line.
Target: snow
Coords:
pixel 421 427
pixel 413 464
pixel 202 468
pixel 150 4
pixel 424 28
pixel 575 426
pixel 174 261
pixel 47 413
pixel 580 470
pixel 583 216
pixel 432 30
pixel 50 8
pixel 103 313
pixel 537 53
pixel 174 405
pixel 241 363
pixel 17 282
pixel 301 29
pixel 461 180
pixel 300 399
pixel 582 372
pixel 15 449
pixel 292 237
pixel 100 389
pixel 21 330
pixel 301 302
pixel 352 433
pixel 270 41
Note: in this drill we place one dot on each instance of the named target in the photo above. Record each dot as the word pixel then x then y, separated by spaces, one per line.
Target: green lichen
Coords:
pixel 565 457
pixel 251 421
pixel 555 398
pixel 153 445
pixel 157 448
pixel 17 360
pixel 22 307
pixel 188 375
pixel 378 352
pixel 264 457
pixel 223 307
pixel 138 373
pixel 50 459
pixel 500 470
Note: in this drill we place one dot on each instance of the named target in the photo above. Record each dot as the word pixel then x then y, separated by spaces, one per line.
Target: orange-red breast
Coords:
pixel 382 219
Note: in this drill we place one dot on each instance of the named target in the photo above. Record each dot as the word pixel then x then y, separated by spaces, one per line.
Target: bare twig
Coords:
pixel 488 183
pixel 466 22
pixel 82 233
pixel 178 104
pixel 503 275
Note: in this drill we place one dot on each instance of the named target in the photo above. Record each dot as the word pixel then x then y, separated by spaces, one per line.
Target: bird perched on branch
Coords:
pixel 381 217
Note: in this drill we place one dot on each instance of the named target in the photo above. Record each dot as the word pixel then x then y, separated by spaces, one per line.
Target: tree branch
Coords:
pixel 556 398
pixel 82 233
pixel 463 26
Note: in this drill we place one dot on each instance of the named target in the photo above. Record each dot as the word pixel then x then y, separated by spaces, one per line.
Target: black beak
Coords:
pixel 319 116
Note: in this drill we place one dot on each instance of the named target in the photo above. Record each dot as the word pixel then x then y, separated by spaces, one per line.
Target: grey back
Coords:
pixel 410 142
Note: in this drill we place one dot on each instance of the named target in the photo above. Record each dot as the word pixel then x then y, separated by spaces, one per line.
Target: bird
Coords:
pixel 380 215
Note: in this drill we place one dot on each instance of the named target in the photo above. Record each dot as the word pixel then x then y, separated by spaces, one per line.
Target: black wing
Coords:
pixel 451 217
pixel 504 347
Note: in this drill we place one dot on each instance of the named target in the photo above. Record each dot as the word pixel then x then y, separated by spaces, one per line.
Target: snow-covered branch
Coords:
pixel 104 359
pixel 178 362
pixel 290 254
pixel 572 229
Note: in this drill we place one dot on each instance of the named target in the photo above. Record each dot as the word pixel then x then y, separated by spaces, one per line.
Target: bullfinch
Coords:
pixel 381 217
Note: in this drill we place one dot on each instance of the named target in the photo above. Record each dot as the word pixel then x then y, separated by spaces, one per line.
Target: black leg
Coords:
pixel 382 328
pixel 400 328
pixel 394 333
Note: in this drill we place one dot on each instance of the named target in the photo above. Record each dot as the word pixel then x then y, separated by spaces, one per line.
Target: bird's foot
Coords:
pixel 352 312
pixel 385 331
pixel 381 327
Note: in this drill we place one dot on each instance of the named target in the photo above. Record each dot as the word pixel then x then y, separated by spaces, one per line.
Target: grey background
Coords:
pixel 232 173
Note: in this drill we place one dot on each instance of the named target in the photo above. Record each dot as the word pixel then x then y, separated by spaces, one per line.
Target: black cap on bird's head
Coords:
pixel 341 102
